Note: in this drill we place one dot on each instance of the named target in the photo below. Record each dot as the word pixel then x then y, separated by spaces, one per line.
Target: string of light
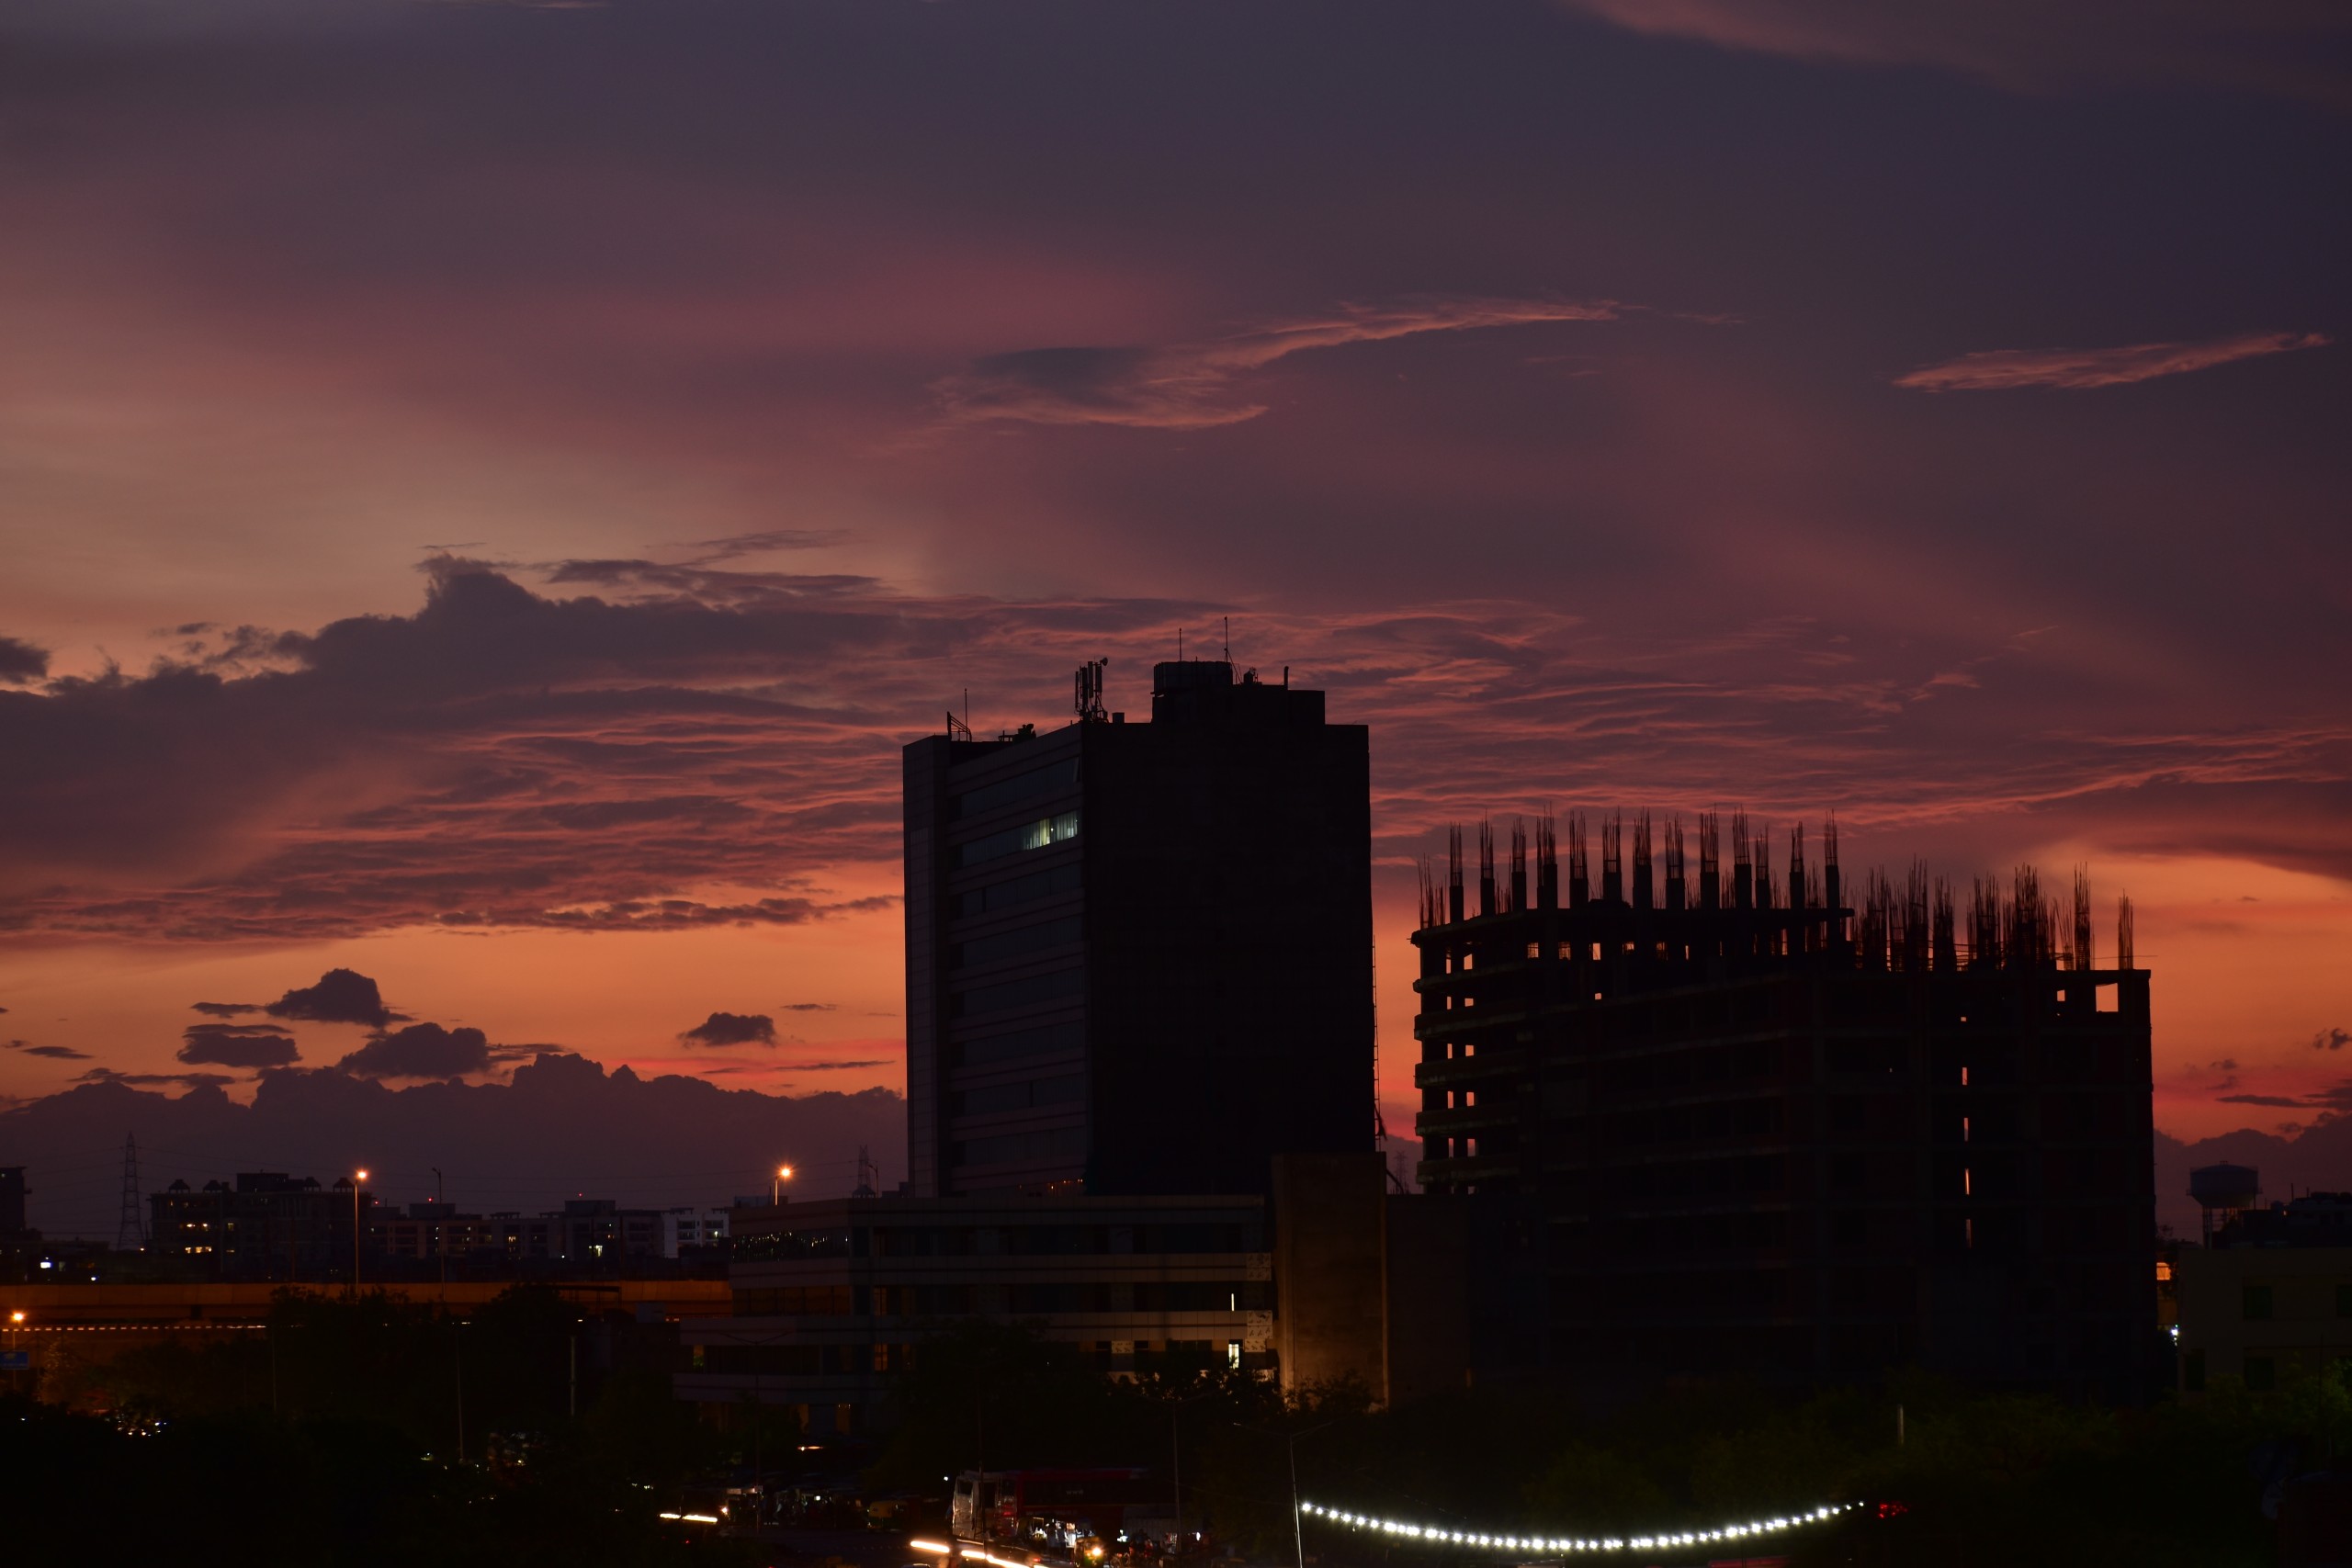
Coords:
pixel 1548 1546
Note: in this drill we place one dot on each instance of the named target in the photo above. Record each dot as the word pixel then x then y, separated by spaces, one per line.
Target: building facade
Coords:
pixel 828 1309
pixel 1743 1128
pixel 267 1225
pixel 1140 956
pixel 2268 1299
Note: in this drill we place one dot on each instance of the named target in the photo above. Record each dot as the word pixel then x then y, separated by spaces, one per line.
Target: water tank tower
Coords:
pixel 2224 1189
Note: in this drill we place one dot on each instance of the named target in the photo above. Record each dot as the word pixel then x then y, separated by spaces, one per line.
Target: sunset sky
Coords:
pixel 487 489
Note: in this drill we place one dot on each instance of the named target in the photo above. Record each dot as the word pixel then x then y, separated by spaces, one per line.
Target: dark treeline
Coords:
pixel 2012 1479
pixel 329 1441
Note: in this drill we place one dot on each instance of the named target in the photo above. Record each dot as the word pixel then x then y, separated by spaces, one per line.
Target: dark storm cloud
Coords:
pixel 2331 1039
pixel 340 995
pixel 503 759
pixel 2003 370
pixel 732 1029
pixel 422 1051
pixel 21 661
pixel 51 1053
pixel 226 1010
pixel 180 1081
pixel 237 1045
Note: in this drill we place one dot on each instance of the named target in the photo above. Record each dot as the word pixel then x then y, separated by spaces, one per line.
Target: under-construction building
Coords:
pixel 1140 956
pixel 1743 1127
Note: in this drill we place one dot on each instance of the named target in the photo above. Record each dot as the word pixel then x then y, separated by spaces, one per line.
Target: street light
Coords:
pixel 354 1232
pixel 776 1188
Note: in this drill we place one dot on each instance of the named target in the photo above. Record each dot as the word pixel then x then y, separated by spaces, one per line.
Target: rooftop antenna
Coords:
pixel 1089 692
pixel 961 729
pixel 1228 639
pixel 1179 644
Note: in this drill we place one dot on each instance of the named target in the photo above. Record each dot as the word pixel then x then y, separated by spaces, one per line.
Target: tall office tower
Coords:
pixel 1743 1130
pixel 1140 956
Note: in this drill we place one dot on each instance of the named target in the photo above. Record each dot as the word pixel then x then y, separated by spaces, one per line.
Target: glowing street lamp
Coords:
pixel 776 1188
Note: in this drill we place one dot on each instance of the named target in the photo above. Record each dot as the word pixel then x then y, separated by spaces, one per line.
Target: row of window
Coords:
pixel 1051 1143
pixel 968 1240
pixel 1045 1040
pixel 1042 834
pixel 1056 778
pixel 2259 1304
pixel 1027 1095
pixel 1029 991
pixel 956 1300
pixel 1014 891
pixel 1012 944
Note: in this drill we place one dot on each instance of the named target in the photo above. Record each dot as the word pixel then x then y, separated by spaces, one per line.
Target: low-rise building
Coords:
pixel 1331 1279
pixel 2270 1299
pixel 829 1310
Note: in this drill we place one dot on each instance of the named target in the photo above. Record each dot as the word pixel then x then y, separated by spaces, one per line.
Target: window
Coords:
pixel 2261 1373
pixel 2254 1303
pixel 1012 944
pixel 1017 891
pixel 1021 1095
pixel 1051 1039
pixel 1042 834
pixel 1017 993
pixel 1850 1229
pixel 1051 780
pixel 1846 1172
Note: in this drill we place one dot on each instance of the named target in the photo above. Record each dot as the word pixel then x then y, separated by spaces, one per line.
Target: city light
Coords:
pixel 1554 1546
pixel 929 1546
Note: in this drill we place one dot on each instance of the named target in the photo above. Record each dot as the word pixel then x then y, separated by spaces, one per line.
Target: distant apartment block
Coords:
pixel 270 1225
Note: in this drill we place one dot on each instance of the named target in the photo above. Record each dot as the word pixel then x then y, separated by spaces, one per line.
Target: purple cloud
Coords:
pixel 2005 369
pixel 732 1029
pixel 237 1045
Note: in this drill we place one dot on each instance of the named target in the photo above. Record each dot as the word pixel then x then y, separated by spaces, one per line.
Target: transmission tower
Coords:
pixel 130 1232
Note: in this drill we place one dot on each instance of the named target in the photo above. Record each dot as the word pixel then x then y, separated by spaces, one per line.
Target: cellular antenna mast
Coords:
pixel 1089 692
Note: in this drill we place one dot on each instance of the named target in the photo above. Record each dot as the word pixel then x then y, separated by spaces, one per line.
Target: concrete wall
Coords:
pixel 1428 1319
pixel 1330 1265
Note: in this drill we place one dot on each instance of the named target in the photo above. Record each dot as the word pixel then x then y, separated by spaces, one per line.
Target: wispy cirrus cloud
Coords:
pixel 1191 385
pixel 2273 46
pixel 2003 370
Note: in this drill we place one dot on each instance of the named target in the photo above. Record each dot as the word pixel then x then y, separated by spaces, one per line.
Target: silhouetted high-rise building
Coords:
pixel 1744 1129
pixel 1140 956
